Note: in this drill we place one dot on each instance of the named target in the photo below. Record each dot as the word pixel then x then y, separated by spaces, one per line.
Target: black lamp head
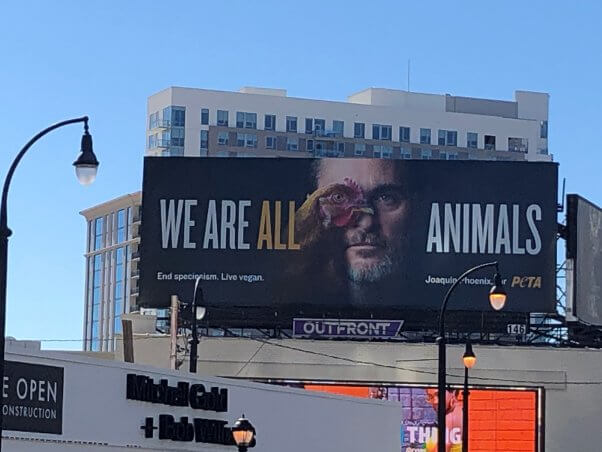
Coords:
pixel 497 294
pixel 243 432
pixel 86 164
pixel 469 358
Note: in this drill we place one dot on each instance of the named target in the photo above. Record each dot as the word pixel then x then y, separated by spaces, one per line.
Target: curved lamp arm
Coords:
pixel 451 289
pixel 4 230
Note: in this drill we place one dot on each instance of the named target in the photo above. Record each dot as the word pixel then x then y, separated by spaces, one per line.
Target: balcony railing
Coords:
pixel 159 144
pixel 160 124
pixel 328 153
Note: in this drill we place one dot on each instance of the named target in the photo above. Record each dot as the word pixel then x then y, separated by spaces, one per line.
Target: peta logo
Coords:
pixel 529 282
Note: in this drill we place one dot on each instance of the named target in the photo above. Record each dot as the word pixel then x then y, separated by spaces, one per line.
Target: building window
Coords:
pixel 222 138
pixel 95 302
pixel 204 139
pixel 121 226
pixel 404 134
pixel 269 122
pixel 490 142
pixel 425 136
pixel 341 147
pixel 222 118
pixel 270 142
pixel 359 130
pixel 292 144
pixel 383 152
pixel 319 126
pixel 98 233
pixel 205 116
pixel 248 140
pixel 543 129
pixel 152 141
pixel 447 138
pixel 177 115
pixel 177 137
pixel 310 145
pixel 246 120
pixel 381 132
pixel 518 144
pixel 472 140
pixel 426 154
pixel 153 120
pixel 338 128
pixel 119 290
pixel 445 155
pixel 251 121
pixel 360 149
pixel 309 125
pixel 405 154
pixel 291 124
pixel 251 140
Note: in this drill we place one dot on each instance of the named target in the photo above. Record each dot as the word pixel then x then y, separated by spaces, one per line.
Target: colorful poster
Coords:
pixel 499 420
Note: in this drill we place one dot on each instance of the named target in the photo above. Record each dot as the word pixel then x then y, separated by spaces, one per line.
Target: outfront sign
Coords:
pixel 346 328
pixel 275 239
pixel 32 398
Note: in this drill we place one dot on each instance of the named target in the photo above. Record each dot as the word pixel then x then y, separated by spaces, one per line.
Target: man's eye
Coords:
pixel 388 200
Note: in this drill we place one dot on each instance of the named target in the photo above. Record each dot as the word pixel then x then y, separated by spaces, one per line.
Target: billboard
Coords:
pixel 584 250
pixel 274 239
pixel 499 419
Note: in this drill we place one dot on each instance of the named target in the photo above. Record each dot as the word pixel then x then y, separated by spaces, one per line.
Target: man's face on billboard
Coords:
pixel 372 241
pixel 432 397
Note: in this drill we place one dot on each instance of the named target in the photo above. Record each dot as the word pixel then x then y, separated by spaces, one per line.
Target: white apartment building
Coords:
pixel 260 122
pixel 376 122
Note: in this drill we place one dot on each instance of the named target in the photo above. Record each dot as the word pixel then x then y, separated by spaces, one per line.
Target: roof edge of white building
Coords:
pixel 127 199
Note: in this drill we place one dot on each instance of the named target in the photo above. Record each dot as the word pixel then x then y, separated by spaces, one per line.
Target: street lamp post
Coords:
pixel 86 166
pixel 469 359
pixel 497 298
pixel 198 312
pixel 243 433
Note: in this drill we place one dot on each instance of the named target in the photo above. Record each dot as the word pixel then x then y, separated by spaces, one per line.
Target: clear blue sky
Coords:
pixel 65 58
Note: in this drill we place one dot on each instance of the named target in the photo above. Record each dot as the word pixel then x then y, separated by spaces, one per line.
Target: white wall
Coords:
pixel 572 411
pixel 97 415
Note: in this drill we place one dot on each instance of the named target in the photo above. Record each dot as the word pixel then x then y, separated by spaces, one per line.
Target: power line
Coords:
pixel 249 360
pixel 362 362
pixel 427 372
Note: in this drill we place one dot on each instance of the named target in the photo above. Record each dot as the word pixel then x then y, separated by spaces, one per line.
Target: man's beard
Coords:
pixel 371 273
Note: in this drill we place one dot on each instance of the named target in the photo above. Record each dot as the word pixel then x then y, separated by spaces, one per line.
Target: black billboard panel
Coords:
pixel 584 248
pixel 273 239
